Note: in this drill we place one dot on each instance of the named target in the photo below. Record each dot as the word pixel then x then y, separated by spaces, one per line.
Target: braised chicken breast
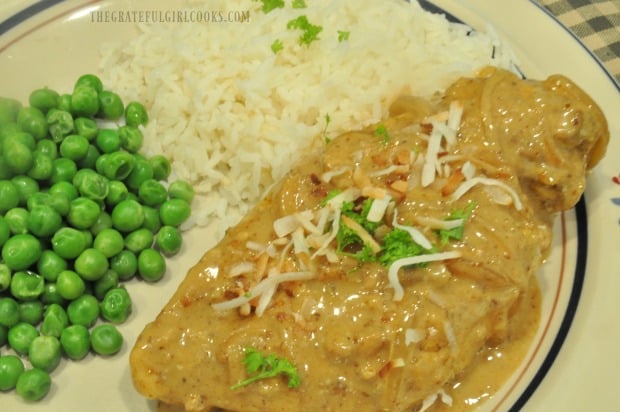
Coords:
pixel 385 263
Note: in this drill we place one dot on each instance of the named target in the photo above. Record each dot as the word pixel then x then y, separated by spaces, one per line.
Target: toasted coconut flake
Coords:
pixel 399 292
pixel 378 208
pixel 241 268
pixel 414 336
pixel 415 233
pixel 439 224
pixel 468 184
pixel 430 162
pixel 362 233
pixel 455 113
pixel 468 169
pixel 400 186
pixel 261 287
pixel 285 225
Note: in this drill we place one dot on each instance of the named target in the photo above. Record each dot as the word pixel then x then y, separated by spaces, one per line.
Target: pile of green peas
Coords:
pixel 81 212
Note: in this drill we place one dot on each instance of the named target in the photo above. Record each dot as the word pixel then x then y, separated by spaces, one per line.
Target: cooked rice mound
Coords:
pixel 232 115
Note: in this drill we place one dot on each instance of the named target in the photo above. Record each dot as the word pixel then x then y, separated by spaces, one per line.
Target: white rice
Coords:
pixel 232 116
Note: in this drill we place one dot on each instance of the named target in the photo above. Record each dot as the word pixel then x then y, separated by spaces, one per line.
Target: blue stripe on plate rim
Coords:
pixel 580 208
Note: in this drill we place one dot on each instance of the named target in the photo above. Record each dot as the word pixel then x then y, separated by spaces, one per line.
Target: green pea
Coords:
pixel 47 147
pixel 9 312
pixel 127 216
pixel 64 102
pixel 173 212
pixel 5 277
pixel 32 120
pixel 42 166
pixel 17 219
pixel 131 138
pixel 55 319
pixel 44 221
pixel 169 240
pixel 151 265
pixel 105 339
pixel 90 80
pixel 22 137
pixel 116 165
pixel 108 140
pixel 31 312
pixel 180 189
pixel 108 281
pixel 116 305
pixel 21 336
pixel 8 110
pixel 5 170
pixel 141 172
pixel 17 156
pixel 91 184
pixel 110 105
pixel 11 368
pixel 65 188
pixel 26 187
pixel 152 193
pixel 109 242
pixel 90 160
pixel 151 219
pixel 9 196
pixel 27 285
pixel 60 203
pixel 33 384
pixel 43 99
pixel 161 167
pixel 83 310
pixel 60 124
pixel 86 127
pixel 75 341
pixel 139 240
pixel 83 213
pixel 125 264
pixel 91 264
pixel 84 101
pixel 68 243
pixel 63 170
pixel 117 193
pixel 135 114
pixel 50 265
pixel 50 294
pixel 74 147
pixel 44 352
pixel 70 285
pixel 21 251
pixel 104 221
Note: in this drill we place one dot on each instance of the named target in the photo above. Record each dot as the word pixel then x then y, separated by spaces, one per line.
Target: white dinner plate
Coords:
pixel 573 362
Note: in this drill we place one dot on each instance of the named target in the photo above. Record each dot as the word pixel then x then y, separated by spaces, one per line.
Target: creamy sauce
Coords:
pixel 357 343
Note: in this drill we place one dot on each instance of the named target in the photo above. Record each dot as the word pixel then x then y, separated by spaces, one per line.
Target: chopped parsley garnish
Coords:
pixel 269 5
pixel 269 366
pixel 349 210
pixel 398 244
pixel 343 35
pixel 350 244
pixel 446 235
pixel 299 4
pixel 348 241
pixel 381 131
pixel 310 32
pixel 276 46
